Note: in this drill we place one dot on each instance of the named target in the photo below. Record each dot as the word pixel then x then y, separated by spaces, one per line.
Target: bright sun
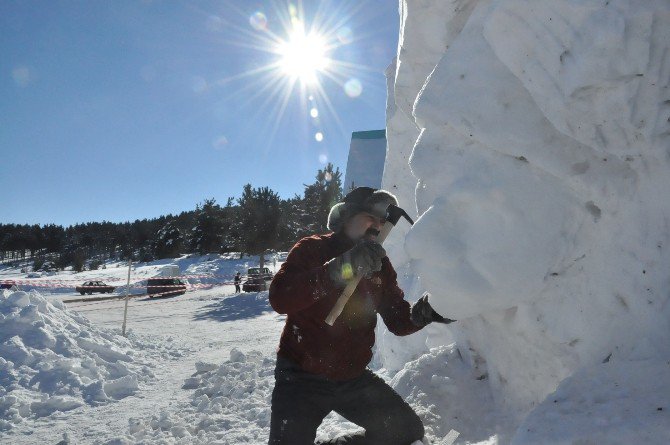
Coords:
pixel 303 66
pixel 303 56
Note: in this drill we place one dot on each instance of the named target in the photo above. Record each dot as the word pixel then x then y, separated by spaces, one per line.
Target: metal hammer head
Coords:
pixel 394 213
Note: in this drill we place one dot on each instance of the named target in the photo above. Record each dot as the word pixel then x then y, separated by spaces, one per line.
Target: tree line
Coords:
pixel 258 221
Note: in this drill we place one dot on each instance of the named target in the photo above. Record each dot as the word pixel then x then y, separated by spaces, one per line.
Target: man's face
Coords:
pixel 363 224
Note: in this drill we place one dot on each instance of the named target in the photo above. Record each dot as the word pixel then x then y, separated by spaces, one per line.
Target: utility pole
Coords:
pixel 125 309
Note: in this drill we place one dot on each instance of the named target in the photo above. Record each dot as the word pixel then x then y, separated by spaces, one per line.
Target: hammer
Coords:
pixel 393 215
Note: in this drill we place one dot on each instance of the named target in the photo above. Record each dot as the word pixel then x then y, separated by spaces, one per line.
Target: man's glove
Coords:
pixel 422 313
pixel 362 259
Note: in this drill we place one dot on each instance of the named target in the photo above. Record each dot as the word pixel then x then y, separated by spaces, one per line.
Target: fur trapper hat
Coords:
pixel 360 199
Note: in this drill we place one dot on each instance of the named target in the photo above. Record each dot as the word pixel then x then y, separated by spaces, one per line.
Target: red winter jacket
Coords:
pixel 303 290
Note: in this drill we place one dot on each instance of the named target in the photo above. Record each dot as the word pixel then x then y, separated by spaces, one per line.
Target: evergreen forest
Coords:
pixel 254 223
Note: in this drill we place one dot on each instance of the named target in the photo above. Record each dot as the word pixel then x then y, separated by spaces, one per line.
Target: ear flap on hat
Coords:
pixel 336 216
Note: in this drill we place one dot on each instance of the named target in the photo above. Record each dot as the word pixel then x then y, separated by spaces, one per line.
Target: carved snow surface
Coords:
pixel 540 170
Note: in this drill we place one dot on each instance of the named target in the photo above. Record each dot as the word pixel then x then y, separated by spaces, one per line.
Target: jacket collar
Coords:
pixel 341 241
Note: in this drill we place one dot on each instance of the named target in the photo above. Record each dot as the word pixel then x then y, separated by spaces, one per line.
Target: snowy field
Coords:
pixel 96 385
pixel 196 368
pixel 199 271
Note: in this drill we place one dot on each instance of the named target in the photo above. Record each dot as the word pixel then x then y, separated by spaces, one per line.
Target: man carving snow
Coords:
pixel 322 368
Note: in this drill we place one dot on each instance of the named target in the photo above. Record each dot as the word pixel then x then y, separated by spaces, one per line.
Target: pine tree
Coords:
pixel 169 241
pixel 210 227
pixel 258 220
pixel 320 196
pixel 231 236
pixel 290 227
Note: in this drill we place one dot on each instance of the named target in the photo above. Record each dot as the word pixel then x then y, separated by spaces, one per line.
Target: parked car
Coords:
pixel 7 284
pixel 89 287
pixel 165 287
pixel 256 278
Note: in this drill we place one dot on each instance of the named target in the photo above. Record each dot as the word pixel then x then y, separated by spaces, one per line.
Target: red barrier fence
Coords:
pixel 39 281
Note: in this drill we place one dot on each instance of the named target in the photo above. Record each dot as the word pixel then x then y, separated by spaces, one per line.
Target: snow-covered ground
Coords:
pixel 167 339
pixel 196 368
pixel 199 271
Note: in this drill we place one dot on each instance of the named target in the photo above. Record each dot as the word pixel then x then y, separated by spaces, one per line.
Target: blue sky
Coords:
pixel 123 110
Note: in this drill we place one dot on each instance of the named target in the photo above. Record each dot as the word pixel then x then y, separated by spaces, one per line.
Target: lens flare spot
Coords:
pixel 198 84
pixel 311 98
pixel 22 76
pixel 214 24
pixel 220 143
pixel 148 73
pixel 292 10
pixel 347 271
pixel 353 87
pixel 344 35
pixel 314 112
pixel 324 159
pixel 318 136
pixel 328 177
pixel 258 21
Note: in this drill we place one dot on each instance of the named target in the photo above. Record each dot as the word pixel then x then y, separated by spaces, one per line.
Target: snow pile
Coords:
pixel 230 405
pixel 610 403
pixel 539 168
pixel 448 393
pixel 52 359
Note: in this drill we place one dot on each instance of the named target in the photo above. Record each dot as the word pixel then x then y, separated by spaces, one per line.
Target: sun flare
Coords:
pixel 303 64
pixel 303 56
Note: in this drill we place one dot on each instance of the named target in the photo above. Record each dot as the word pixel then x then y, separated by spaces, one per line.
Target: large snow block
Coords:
pixel 605 62
pixel 491 239
pixel 541 157
pixel 612 403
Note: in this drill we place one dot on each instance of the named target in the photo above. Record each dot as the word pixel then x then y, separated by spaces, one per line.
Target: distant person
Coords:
pixel 322 368
pixel 237 280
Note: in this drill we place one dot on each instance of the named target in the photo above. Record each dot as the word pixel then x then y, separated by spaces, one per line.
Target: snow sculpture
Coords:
pixel 540 172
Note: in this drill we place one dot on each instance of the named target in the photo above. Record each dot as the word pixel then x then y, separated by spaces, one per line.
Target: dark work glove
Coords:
pixel 362 259
pixel 422 313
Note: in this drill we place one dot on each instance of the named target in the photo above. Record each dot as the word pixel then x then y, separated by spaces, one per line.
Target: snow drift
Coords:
pixel 52 359
pixel 230 404
pixel 539 168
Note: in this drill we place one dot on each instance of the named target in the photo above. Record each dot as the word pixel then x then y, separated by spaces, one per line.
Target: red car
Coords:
pixel 7 284
pixel 165 287
pixel 94 286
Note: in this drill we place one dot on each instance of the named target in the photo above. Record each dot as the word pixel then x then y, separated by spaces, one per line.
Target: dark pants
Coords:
pixel 300 401
pixel 237 288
